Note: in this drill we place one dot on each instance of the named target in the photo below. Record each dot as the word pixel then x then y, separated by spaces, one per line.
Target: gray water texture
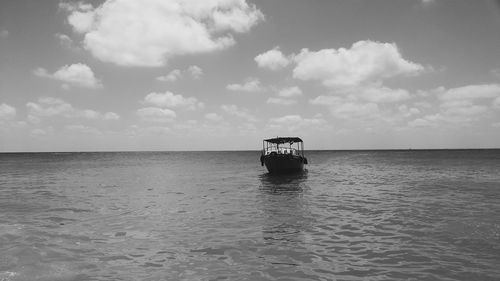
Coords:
pixel 353 215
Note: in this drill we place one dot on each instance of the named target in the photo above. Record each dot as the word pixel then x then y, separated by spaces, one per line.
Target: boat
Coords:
pixel 283 155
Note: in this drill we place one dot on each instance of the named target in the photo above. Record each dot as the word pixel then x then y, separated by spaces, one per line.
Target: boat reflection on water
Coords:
pixel 284 183
pixel 287 220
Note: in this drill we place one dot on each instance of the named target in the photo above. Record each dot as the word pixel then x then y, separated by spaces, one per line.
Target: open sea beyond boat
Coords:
pixel 378 215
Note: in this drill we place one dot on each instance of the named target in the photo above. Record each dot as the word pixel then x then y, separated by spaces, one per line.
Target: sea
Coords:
pixel 352 215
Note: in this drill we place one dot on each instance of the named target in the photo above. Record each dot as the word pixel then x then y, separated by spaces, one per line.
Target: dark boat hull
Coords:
pixel 283 163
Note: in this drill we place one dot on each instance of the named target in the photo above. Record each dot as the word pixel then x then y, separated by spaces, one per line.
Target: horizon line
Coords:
pixel 248 150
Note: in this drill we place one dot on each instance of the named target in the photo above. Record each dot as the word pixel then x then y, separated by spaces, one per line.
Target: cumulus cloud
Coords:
pixel 171 100
pixel 426 121
pixel 346 109
pixel 286 96
pixel 294 122
pixel 383 94
pixel 460 106
pixel 408 111
pixel 469 92
pixel 54 107
pixel 82 129
pixel 251 85
pixel 155 114
pixel 65 40
pixel 111 116
pixel 365 62
pixel 148 33
pixel 281 101
pixel 172 76
pixel 461 109
pixel 194 71
pixel 467 103
pixel 213 117
pixel 7 112
pixel 272 59
pixel 239 112
pixel 290 92
pixel 77 74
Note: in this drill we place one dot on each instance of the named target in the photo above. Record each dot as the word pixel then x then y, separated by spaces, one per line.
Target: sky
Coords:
pixel 119 75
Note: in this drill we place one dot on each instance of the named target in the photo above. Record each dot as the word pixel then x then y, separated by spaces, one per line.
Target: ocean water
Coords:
pixel 354 215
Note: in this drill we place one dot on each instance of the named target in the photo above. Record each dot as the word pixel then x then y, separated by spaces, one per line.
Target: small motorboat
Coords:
pixel 283 155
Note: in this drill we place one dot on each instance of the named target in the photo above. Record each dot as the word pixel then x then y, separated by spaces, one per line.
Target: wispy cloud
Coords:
pixel 171 100
pixel 172 76
pixel 250 85
pixel 214 117
pixel 194 71
pixel 294 122
pixel 239 112
pixel 7 112
pixel 53 107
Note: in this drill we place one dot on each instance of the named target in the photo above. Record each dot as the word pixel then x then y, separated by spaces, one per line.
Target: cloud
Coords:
pixel 251 85
pixel 281 101
pixel 148 33
pixel 213 117
pixel 172 76
pixel 48 106
pixel 495 72
pixel 295 122
pixel 81 15
pixel 365 62
pixel 469 92
pixel 346 109
pixel 272 59
pixel 428 2
pixel 170 100
pixel 496 103
pixel 65 40
pixel 155 114
pixel 355 110
pixel 383 94
pixel 407 112
pixel 427 121
pixel 7 112
pixel 195 71
pixel 462 109
pixel 239 112
pixel 460 106
pixel 290 92
pixel 77 74
pixel 466 104
pixel 4 33
pixel 111 116
pixel 285 96
pixel 54 107
pixel 83 129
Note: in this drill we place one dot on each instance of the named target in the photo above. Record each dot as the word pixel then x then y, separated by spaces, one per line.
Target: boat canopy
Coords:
pixel 280 140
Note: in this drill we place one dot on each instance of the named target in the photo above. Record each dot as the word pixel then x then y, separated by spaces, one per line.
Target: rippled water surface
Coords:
pixel 354 215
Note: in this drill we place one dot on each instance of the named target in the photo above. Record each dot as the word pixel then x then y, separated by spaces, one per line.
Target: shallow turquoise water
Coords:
pixel 354 215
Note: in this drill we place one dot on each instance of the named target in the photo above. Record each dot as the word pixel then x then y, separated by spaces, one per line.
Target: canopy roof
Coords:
pixel 281 140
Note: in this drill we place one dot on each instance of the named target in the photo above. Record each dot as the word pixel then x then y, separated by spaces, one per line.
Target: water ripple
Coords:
pixel 394 215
